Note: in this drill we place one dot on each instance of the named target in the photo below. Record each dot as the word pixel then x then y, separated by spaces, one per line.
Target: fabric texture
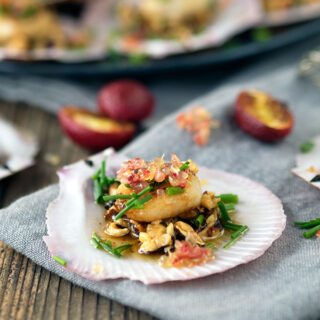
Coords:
pixel 282 284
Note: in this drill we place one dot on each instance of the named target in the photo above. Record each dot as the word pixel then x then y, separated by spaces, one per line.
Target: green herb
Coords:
pixel 232 226
pixel 261 34
pixel 200 220
pixel 230 206
pixel 97 191
pixel 139 203
pixel 236 236
pixel 210 246
pixel 224 213
pixel 116 196
pixel 228 198
pixel 103 179
pixel 107 246
pixel 28 12
pixel 239 232
pixel 96 175
pixel 59 260
pixel 307 146
pixel 308 224
pixel 132 202
pixel 311 232
pixel 185 166
pixel 124 211
pixel 101 183
pixel 3 10
pixel 122 248
pixel 114 55
pixel 174 190
pixel 137 58
pixel 95 243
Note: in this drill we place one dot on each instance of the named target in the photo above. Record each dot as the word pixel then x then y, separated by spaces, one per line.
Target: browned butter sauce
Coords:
pixel 132 253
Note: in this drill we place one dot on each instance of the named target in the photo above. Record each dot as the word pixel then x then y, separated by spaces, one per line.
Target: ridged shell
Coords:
pixel 73 217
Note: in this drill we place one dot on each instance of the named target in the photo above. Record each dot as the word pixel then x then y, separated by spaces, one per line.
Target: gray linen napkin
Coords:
pixel 282 284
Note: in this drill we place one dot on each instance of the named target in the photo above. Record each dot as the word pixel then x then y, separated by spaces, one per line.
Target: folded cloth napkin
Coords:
pixel 282 284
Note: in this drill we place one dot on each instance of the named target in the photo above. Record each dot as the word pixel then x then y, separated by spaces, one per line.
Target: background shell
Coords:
pixel 17 149
pixel 308 164
pixel 73 217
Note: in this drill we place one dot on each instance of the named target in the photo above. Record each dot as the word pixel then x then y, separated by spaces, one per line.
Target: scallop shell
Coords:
pixel 17 149
pixel 73 217
pixel 308 164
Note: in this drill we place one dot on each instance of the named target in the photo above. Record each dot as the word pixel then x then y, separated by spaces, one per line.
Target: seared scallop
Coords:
pixel 163 206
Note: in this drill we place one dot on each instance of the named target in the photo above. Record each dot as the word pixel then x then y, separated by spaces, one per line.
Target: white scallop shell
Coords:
pixel 17 149
pixel 73 217
pixel 308 164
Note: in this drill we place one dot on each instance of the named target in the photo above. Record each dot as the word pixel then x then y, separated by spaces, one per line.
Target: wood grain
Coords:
pixel 28 291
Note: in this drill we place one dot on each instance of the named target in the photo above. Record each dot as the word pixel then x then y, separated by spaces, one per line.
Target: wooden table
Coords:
pixel 27 291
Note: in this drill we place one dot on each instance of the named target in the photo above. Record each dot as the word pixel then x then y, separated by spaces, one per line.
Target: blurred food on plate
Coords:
pixel 168 19
pixel 274 5
pixel 79 30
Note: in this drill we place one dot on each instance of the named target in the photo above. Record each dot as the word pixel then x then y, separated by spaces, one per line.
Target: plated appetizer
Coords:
pixel 162 219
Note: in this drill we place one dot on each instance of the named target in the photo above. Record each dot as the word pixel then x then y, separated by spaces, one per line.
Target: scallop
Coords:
pixel 74 216
pixel 164 206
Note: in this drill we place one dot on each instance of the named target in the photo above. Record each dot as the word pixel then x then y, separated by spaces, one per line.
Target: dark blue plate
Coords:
pixel 245 47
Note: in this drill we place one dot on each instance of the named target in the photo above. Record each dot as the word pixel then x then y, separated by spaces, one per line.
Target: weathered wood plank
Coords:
pixel 28 291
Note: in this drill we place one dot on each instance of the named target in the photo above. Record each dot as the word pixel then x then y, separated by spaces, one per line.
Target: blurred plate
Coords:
pixel 245 47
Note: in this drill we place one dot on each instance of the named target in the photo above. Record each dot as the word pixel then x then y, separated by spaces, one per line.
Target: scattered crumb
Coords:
pixel 311 169
pixel 204 182
pixel 98 268
pixel 52 159
pixel 199 122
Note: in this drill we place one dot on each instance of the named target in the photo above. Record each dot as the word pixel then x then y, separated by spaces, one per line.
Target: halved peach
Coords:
pixel 94 131
pixel 262 116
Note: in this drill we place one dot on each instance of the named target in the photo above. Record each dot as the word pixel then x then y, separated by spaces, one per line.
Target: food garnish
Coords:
pixel 69 235
pixel 312 225
pixel 160 208
pixel 199 122
pixel 307 146
pixel 59 260
pixel 262 116
pixel 107 246
pixel 94 131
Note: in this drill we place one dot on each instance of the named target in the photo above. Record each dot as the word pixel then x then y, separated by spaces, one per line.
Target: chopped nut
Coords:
pixel 117 229
pixel 155 237
pixel 211 231
pixel 188 232
pixel 136 228
pixel 209 200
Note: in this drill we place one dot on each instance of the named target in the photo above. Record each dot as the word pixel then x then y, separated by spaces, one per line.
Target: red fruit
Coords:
pixel 94 131
pixel 126 100
pixel 262 116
